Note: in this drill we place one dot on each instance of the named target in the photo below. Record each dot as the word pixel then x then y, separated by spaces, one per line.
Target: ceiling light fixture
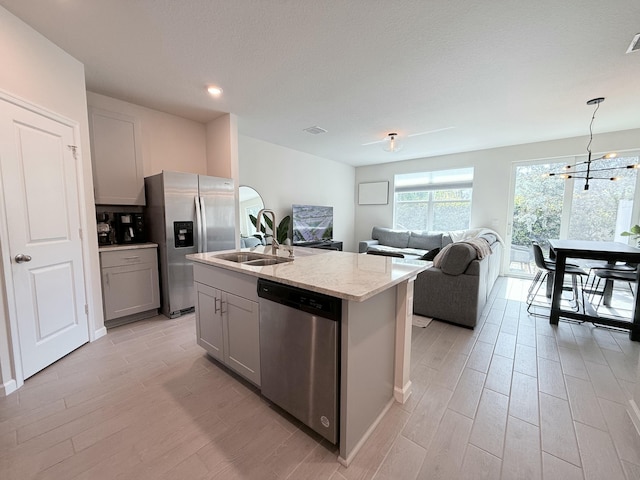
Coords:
pixel 589 172
pixel 215 91
pixel 397 143
pixel 634 46
pixel 392 143
pixel 315 130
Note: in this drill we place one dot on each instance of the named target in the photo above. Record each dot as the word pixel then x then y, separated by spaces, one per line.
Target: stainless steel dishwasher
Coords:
pixel 299 354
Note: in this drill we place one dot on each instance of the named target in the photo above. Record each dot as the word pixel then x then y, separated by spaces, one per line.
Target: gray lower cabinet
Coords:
pixel 228 328
pixel 129 282
pixel 209 330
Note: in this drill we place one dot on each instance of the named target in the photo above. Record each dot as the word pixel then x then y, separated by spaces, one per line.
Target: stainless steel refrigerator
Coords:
pixel 187 213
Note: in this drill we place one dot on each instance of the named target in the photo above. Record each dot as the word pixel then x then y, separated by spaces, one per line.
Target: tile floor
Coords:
pixel 514 398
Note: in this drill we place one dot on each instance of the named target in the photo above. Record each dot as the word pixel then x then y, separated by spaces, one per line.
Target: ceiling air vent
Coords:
pixel 635 44
pixel 315 130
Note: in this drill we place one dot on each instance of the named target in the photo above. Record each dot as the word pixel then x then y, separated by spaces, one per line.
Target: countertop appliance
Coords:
pixel 130 228
pixel 187 213
pixel 104 229
pixel 299 354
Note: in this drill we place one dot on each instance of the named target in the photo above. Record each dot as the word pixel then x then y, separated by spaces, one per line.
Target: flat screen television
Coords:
pixel 312 223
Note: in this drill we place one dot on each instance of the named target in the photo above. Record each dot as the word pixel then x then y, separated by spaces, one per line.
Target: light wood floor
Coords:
pixel 514 398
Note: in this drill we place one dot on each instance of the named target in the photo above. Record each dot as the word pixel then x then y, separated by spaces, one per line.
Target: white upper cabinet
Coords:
pixel 116 153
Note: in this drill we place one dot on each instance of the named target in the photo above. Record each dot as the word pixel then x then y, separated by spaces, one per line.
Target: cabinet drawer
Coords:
pixel 135 256
pixel 239 283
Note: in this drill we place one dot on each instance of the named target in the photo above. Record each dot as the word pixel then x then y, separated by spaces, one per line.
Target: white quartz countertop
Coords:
pixel 127 246
pixel 346 275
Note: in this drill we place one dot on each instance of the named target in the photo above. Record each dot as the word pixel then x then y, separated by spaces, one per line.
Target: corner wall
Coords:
pixel 492 176
pixel 222 156
pixel 222 147
pixel 284 177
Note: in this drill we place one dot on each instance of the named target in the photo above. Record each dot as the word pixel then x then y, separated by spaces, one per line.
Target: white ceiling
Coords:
pixel 501 72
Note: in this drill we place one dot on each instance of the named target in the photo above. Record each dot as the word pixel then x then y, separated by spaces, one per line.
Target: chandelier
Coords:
pixel 586 170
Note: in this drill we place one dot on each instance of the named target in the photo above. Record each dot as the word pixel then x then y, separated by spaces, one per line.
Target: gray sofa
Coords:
pixel 403 242
pixel 458 290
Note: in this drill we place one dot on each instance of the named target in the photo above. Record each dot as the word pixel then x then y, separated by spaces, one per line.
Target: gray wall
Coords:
pixel 284 177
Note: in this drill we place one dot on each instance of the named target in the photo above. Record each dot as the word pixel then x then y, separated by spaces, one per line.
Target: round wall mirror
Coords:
pixel 250 204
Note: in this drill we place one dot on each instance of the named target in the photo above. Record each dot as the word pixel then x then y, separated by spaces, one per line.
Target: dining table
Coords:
pixel 610 252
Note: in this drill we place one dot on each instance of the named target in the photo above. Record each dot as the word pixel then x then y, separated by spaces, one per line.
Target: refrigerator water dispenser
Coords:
pixel 183 234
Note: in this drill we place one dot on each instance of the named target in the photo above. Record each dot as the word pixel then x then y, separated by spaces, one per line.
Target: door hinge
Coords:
pixel 74 151
pixel 86 309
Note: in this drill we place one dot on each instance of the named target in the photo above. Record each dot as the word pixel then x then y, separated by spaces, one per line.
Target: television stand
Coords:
pixel 326 245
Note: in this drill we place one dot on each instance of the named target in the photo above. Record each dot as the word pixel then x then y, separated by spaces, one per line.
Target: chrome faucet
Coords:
pixel 288 246
pixel 274 242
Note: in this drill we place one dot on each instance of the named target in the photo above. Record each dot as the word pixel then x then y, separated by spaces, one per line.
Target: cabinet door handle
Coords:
pixel 132 258
pixel 203 224
pixel 222 303
pixel 107 279
pixel 215 304
pixel 199 225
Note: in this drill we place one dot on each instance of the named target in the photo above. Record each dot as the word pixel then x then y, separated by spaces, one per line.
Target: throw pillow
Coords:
pixel 455 258
pixel 430 255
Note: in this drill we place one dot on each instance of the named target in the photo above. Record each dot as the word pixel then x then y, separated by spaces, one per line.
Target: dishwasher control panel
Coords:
pixel 315 303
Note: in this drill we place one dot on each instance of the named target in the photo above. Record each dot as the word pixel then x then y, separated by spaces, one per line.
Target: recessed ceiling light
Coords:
pixel 215 91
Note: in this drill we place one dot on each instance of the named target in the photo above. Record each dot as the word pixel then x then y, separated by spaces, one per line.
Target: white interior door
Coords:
pixel 39 184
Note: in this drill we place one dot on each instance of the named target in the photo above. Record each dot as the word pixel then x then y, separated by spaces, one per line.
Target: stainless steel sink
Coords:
pixel 253 259
pixel 240 257
pixel 261 262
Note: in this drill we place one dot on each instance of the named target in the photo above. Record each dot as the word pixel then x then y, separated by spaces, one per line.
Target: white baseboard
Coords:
pixel 101 332
pixel 8 388
pixel 402 395
pixel 346 461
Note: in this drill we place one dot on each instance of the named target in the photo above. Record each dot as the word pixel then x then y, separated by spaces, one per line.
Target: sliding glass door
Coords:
pixel 606 209
pixel 544 207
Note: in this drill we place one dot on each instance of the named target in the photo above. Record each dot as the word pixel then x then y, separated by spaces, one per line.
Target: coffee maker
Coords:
pixel 130 228
pixel 105 236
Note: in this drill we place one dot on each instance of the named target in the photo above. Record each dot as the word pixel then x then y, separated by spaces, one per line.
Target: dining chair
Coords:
pixel 546 271
pixel 603 265
pixel 622 273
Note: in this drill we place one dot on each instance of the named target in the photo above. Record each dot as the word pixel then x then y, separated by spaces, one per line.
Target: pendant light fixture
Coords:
pixel 586 170
pixel 392 143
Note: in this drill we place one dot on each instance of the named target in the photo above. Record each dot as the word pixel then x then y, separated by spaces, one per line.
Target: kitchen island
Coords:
pixel 375 328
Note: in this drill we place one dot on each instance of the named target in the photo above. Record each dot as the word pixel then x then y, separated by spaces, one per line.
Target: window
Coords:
pixel 439 200
pixel 544 208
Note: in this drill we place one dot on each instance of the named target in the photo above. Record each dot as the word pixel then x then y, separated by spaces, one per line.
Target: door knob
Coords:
pixel 21 258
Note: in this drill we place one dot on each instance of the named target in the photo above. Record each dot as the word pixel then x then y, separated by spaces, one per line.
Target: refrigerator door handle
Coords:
pixel 203 224
pixel 198 224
